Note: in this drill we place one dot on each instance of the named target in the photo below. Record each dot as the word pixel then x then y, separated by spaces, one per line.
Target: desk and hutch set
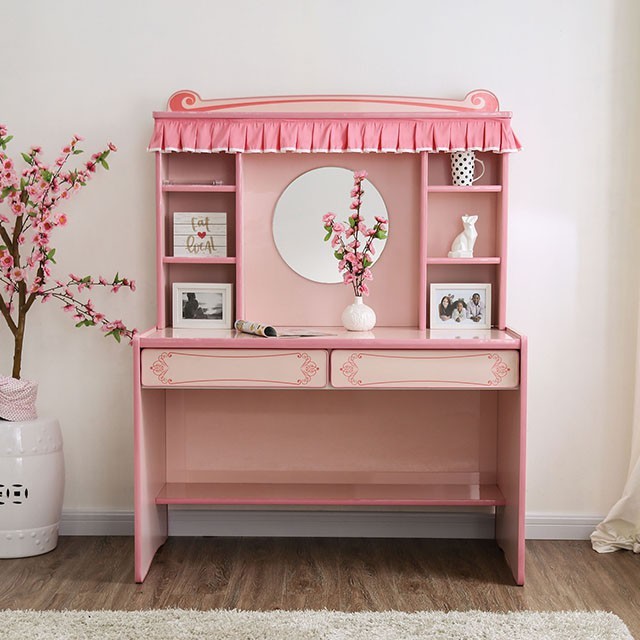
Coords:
pixel 401 416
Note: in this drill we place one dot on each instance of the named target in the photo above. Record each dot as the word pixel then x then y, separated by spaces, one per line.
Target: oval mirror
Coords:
pixel 298 230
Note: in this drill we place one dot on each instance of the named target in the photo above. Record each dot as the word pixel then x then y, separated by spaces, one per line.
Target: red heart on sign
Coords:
pixel 202 234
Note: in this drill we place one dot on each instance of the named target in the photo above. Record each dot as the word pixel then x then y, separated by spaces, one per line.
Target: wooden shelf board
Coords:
pixel 447 188
pixel 492 260
pixel 187 260
pixel 199 188
pixel 331 494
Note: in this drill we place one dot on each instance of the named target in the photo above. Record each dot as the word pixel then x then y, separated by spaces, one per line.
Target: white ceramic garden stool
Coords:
pixel 31 486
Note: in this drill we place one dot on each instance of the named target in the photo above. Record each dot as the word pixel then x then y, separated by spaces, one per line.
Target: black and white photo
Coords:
pixel 202 305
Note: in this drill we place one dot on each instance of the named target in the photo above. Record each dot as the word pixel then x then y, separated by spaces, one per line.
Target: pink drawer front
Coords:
pixel 189 368
pixel 395 369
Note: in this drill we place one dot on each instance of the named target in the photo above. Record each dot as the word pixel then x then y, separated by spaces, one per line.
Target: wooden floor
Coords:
pixel 342 574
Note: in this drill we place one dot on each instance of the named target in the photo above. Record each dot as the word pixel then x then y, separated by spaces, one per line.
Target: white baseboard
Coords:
pixel 289 523
pixel 553 527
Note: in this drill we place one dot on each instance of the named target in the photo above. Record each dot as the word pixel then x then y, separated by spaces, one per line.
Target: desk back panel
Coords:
pixel 275 294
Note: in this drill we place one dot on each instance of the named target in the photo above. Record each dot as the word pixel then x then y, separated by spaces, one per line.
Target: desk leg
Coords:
pixel 150 472
pixel 512 412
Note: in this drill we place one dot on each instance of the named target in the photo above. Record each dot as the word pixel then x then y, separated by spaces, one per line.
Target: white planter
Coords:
pixel 31 487
pixel 358 316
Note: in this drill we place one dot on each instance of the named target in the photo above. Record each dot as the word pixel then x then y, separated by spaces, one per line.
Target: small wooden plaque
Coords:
pixel 200 234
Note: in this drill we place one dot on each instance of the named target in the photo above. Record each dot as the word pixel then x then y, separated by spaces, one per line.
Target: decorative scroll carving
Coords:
pixel 161 367
pixel 301 372
pixel 499 370
pixel 350 369
pixel 309 368
pixel 189 101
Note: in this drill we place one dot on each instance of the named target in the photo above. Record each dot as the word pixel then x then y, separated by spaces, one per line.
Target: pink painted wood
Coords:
pixel 268 446
pixel 240 222
pixel 334 338
pixel 160 244
pixel 366 494
pixel 271 368
pixel 151 524
pixel 413 369
pixel 424 231
pixel 511 470
pixel 501 240
pixel 479 100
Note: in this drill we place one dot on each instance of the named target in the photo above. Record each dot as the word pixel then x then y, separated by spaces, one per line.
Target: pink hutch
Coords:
pixel 403 415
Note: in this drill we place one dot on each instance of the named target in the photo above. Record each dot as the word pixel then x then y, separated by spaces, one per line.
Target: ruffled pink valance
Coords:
pixel 335 135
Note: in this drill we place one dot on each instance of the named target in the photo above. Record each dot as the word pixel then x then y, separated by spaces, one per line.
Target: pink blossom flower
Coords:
pixel 338 227
pixel 328 218
pixel 335 241
pixel 17 274
pixel 364 290
pixel 112 147
pixel 348 277
pixel 62 218
pixel 381 220
pixel 68 308
pixel 360 175
pixel 7 261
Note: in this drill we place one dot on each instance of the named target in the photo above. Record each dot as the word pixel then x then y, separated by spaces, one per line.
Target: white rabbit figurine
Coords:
pixel 462 246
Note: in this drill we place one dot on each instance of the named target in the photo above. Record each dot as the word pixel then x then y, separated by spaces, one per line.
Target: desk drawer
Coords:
pixel 212 368
pixel 450 369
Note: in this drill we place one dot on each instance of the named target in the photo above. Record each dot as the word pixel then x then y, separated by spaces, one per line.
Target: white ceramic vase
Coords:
pixel 358 316
pixel 31 486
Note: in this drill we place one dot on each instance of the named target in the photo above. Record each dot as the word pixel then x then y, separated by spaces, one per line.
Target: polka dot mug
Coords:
pixel 463 168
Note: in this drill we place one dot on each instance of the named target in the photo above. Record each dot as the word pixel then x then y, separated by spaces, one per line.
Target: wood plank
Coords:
pixel 348 574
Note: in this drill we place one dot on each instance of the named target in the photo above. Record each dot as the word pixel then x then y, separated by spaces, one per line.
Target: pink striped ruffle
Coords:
pixel 264 135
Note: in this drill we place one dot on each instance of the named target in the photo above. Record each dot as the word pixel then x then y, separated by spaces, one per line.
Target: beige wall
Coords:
pixel 568 70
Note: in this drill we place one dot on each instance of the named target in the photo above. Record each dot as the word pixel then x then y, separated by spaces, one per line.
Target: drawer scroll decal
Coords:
pixel 234 368
pixel 425 369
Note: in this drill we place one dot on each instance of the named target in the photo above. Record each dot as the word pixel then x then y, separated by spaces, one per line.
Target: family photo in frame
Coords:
pixel 460 306
pixel 202 305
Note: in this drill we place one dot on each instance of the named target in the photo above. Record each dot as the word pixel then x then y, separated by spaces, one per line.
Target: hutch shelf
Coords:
pixel 402 416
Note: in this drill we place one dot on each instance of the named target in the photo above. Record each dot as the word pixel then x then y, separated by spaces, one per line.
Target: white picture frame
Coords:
pixel 199 305
pixel 463 310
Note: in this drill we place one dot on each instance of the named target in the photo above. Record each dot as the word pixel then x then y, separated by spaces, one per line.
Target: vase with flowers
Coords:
pixel 353 245
pixel 31 460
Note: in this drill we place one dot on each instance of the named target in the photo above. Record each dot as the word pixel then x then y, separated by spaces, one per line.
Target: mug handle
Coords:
pixel 482 165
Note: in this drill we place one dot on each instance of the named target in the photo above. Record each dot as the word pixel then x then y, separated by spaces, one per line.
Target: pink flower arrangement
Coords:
pixel 27 224
pixel 352 241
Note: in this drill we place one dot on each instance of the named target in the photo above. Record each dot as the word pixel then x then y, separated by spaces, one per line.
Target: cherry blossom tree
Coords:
pixel 29 215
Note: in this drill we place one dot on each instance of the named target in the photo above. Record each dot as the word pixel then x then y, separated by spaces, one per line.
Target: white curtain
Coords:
pixel 621 528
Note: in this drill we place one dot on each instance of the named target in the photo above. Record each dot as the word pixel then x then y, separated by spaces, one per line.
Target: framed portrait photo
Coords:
pixel 202 305
pixel 460 306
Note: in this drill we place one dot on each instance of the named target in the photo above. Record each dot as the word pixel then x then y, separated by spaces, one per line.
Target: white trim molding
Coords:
pixel 295 523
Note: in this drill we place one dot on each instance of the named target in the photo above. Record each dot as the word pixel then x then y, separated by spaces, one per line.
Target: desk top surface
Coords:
pixel 332 338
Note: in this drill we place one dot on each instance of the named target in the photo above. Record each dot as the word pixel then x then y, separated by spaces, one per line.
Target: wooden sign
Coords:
pixel 199 235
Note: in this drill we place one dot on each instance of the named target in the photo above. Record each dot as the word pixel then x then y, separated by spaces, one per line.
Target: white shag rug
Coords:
pixel 180 624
